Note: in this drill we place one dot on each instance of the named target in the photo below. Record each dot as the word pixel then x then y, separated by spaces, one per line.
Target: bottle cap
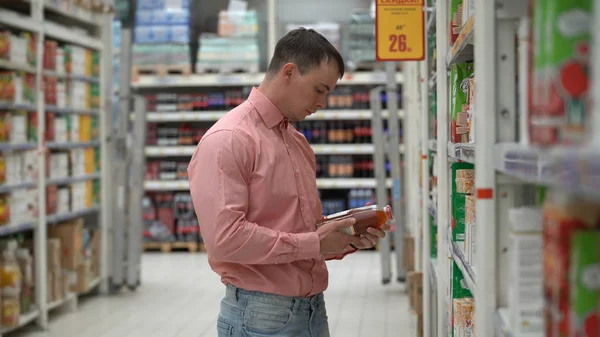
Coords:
pixel 388 212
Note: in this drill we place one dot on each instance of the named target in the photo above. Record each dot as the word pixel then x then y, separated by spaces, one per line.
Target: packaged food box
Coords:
pixel 458 203
pixel 460 75
pixel 561 221
pixel 585 283
pixel 561 72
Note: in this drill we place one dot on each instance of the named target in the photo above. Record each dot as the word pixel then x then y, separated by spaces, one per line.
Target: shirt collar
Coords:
pixel 269 113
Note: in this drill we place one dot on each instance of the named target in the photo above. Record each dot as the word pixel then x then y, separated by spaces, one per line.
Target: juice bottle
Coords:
pixel 367 216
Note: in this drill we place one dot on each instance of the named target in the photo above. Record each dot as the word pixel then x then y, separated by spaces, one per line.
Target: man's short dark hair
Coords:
pixel 307 49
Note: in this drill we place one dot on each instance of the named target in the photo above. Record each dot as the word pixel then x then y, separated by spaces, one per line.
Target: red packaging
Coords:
pixel 561 220
pixel 51 199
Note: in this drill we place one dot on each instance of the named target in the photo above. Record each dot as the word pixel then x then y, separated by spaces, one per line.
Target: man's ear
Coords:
pixel 288 70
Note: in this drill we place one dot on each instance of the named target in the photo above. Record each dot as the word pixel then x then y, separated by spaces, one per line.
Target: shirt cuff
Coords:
pixel 309 246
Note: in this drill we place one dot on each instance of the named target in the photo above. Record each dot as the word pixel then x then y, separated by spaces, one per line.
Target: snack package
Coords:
pixel 460 75
pixel 585 284
pixel 459 200
pixel 561 71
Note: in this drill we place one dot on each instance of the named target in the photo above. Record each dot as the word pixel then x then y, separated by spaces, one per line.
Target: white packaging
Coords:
pixel 60 130
pixel 14 168
pixel 77 162
pixel 63 201
pixel 74 137
pixel 525 293
pixel 18 129
pixel 30 166
pixel 60 61
pixel 472 241
pixel 18 49
pixel 61 94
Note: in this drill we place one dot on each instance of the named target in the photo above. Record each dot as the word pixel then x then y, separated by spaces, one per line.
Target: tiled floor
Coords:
pixel 180 297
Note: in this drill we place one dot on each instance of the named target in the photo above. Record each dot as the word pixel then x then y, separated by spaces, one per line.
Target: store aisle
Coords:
pixel 180 296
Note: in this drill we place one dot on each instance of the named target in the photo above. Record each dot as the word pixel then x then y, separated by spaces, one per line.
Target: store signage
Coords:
pixel 400 30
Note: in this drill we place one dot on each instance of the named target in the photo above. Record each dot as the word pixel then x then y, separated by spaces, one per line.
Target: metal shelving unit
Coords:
pixel 506 166
pixel 49 21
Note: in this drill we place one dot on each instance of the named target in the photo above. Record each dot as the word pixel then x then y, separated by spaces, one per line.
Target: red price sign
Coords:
pixel 400 32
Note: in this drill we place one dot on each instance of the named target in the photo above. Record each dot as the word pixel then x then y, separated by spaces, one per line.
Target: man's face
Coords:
pixel 308 92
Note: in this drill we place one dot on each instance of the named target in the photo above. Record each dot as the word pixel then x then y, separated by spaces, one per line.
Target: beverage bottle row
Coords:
pixel 336 132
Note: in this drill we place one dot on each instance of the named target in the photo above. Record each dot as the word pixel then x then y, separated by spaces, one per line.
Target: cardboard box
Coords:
pixel 409 251
pixel 70 234
pixel 54 253
pixel 57 285
pixel 84 277
pixel 415 291
pixel 49 287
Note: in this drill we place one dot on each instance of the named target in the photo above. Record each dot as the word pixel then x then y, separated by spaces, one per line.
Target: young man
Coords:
pixel 253 183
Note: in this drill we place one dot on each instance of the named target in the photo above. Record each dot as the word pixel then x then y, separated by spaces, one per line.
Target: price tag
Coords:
pixel 400 30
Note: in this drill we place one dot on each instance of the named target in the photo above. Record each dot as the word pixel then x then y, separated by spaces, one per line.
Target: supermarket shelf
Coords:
pixel 329 183
pixel 211 116
pixel 53 219
pixel 432 81
pixel 459 258
pixel 431 20
pixel 433 145
pixel 70 111
pixel 71 180
pixel 501 319
pixel 9 188
pixel 12 106
pixel 73 12
pixel 24 319
pixel 224 80
pixel 4 64
pixel 524 163
pixel 72 77
pixel 67 146
pixel 433 272
pixel 578 171
pixel 17 147
pixel 56 304
pixel 71 35
pixel 187 150
pixel 432 210
pixel 462 152
pixel 18 228
pixel 19 21
pixel 166 185
pixel 463 47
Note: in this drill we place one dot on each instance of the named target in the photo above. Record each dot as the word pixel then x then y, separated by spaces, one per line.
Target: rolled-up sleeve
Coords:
pixel 219 173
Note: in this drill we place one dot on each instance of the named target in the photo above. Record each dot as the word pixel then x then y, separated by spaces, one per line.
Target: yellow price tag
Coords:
pixel 400 30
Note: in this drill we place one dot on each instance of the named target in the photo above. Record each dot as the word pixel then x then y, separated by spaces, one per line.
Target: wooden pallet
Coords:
pixel 167 247
pixel 160 70
pixel 226 69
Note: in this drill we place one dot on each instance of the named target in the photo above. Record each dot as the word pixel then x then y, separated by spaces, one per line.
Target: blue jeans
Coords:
pixel 255 314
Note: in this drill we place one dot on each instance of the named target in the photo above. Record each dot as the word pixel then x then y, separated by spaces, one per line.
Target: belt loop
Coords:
pixel 237 294
pixel 295 306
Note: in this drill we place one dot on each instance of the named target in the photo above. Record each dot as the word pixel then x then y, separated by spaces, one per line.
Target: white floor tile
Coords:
pixel 180 296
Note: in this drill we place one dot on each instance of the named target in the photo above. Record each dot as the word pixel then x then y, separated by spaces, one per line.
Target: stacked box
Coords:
pixel 525 292
pixel 585 283
pixel 464 316
pixel 561 222
pixel 458 290
pixel 460 174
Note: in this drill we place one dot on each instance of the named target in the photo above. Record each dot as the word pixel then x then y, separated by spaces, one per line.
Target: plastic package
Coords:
pixel 368 216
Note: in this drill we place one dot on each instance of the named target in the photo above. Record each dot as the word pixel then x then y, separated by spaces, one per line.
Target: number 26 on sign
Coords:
pixel 400 30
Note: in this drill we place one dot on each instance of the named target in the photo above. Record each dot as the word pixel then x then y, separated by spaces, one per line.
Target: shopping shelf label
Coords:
pixel 400 30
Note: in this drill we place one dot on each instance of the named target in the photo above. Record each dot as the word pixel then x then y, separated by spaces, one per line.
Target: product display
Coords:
pixel 560 102
pixel 459 87
pixel 170 217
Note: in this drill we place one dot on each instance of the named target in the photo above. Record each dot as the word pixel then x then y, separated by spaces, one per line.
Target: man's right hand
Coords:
pixel 334 242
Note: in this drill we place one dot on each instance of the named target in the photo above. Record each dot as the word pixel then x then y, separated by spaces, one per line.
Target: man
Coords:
pixel 253 183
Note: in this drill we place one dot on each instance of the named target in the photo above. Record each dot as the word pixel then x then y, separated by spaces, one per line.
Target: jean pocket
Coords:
pixel 224 329
pixel 267 319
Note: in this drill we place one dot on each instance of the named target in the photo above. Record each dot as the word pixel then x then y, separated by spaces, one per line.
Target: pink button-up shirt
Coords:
pixel 252 180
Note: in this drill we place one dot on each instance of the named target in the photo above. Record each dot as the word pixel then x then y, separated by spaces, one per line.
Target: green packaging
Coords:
pixel 585 283
pixel 562 34
pixel 459 93
pixel 458 290
pixel 458 204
